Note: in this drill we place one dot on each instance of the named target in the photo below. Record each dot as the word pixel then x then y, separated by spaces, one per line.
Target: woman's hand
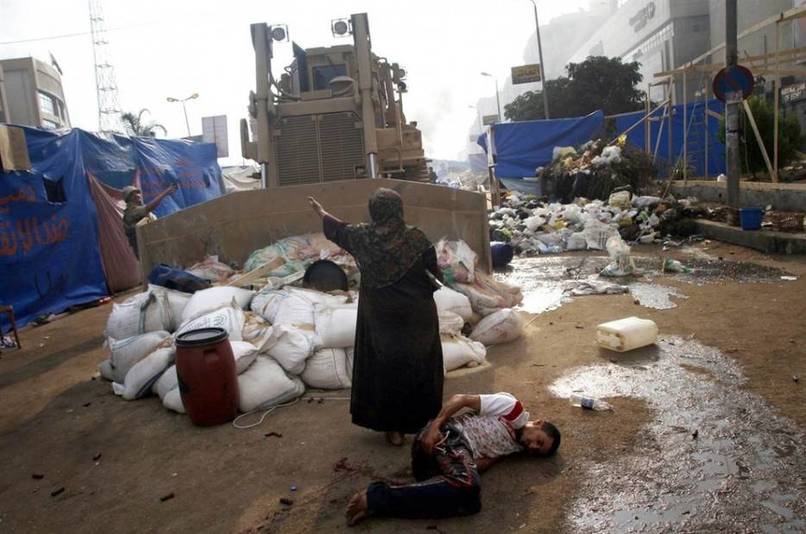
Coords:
pixel 316 206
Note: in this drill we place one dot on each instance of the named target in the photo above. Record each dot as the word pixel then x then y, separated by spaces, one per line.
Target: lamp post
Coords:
pixel 497 98
pixel 540 58
pixel 184 108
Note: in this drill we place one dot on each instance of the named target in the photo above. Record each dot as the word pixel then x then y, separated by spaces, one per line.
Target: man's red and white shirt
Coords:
pixel 491 432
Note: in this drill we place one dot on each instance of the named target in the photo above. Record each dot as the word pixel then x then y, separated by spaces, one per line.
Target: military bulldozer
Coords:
pixel 336 113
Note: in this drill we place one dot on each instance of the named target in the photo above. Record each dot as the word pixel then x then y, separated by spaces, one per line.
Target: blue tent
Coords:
pixel 50 252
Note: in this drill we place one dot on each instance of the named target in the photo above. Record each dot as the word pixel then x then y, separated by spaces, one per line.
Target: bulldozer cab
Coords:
pixel 336 113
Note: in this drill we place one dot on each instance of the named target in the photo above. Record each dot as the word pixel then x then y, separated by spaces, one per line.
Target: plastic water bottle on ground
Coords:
pixel 589 403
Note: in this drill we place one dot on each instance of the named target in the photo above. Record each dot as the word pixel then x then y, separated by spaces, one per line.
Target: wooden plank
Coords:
pixel 758 136
pixel 258 273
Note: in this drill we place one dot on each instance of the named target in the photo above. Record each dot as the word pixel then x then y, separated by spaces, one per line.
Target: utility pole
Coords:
pixel 732 102
pixel 542 70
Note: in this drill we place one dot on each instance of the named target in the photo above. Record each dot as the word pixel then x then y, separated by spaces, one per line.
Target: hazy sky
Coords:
pixel 177 47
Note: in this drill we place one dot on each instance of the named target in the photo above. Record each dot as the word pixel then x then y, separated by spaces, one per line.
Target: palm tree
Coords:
pixel 135 125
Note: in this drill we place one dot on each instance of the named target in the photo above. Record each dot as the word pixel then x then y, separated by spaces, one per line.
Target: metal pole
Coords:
pixel 498 101
pixel 777 87
pixel 542 70
pixel 685 130
pixel 705 88
pixel 185 109
pixel 732 108
pixel 647 124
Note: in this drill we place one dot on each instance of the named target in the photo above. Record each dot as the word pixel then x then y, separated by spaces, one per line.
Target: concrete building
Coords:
pixel 32 93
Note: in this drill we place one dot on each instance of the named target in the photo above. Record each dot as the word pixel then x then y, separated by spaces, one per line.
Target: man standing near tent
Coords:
pixel 136 211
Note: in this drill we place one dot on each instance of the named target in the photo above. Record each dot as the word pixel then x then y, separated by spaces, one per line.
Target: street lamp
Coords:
pixel 497 98
pixel 184 108
pixel 540 58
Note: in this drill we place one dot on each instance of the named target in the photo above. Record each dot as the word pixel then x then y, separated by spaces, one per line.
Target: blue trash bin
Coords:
pixel 750 218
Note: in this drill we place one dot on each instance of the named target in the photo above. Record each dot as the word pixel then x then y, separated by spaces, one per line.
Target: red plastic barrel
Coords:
pixel 208 383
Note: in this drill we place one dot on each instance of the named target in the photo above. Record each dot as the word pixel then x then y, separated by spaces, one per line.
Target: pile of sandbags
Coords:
pixel 267 357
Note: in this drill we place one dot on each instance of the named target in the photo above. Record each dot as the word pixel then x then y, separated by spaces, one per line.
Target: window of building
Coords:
pixel 324 73
pixel 54 190
pixel 49 125
pixel 46 104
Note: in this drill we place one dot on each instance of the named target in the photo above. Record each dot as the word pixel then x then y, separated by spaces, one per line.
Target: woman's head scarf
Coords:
pixel 386 248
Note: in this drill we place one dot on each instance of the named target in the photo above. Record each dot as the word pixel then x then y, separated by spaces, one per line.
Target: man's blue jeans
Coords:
pixel 448 483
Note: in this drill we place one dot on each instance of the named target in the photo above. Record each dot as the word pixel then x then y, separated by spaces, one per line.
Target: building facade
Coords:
pixel 33 94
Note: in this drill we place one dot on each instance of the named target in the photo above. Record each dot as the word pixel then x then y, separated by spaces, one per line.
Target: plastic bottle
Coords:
pixel 589 403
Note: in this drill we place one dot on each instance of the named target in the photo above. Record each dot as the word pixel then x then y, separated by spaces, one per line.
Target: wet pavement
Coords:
pixel 543 278
pixel 714 458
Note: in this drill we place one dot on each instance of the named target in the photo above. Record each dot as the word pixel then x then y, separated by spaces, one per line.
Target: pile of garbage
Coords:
pixel 595 170
pixel 534 227
pixel 284 337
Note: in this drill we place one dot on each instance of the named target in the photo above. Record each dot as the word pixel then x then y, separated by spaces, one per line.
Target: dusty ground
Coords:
pixel 61 426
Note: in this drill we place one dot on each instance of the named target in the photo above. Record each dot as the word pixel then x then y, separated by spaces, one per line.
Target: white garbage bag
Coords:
pixel 576 241
pixel 458 351
pixel 448 300
pixel 129 351
pixel 173 401
pixel 450 323
pixel 621 263
pixel 142 376
pixel 335 324
pixel 230 319
pixel 211 299
pixel 621 200
pixel 502 326
pixel 328 369
pixel 290 347
pixel 265 384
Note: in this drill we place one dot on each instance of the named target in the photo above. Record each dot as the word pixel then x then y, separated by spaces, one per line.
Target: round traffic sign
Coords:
pixel 733 83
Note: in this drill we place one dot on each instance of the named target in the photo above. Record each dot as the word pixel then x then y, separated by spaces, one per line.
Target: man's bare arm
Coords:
pixel 454 405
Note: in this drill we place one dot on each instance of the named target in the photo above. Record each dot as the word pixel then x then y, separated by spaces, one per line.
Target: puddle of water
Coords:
pixel 655 296
pixel 744 471
pixel 542 278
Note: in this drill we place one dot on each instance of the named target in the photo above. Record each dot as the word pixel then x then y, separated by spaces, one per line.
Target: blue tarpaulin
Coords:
pixel 50 254
pixel 521 147
pixel 696 119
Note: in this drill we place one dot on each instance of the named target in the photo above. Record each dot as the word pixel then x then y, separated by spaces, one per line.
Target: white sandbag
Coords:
pixel 290 347
pixel 173 401
pixel 144 373
pixel 230 319
pixel 335 324
pixel 502 326
pixel 176 302
pixel 458 351
pixel 450 323
pixel 244 354
pixel 211 299
pixel 292 306
pixel 106 370
pixel 126 318
pixel 129 351
pixel 265 384
pixel 166 382
pixel 452 301
pixel 327 369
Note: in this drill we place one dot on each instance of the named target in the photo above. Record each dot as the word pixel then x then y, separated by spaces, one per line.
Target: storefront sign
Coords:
pixel 793 93
pixel 526 74
pixel 642 17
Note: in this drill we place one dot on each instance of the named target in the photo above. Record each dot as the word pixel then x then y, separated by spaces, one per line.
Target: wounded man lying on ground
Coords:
pixel 448 455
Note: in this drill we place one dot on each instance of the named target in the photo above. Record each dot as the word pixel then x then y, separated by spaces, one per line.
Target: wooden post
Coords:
pixel 685 130
pixel 758 135
pixel 777 87
pixel 669 129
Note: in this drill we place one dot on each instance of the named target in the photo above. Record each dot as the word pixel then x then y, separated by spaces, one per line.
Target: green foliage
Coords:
pixel 136 126
pixel 789 136
pixel 596 83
